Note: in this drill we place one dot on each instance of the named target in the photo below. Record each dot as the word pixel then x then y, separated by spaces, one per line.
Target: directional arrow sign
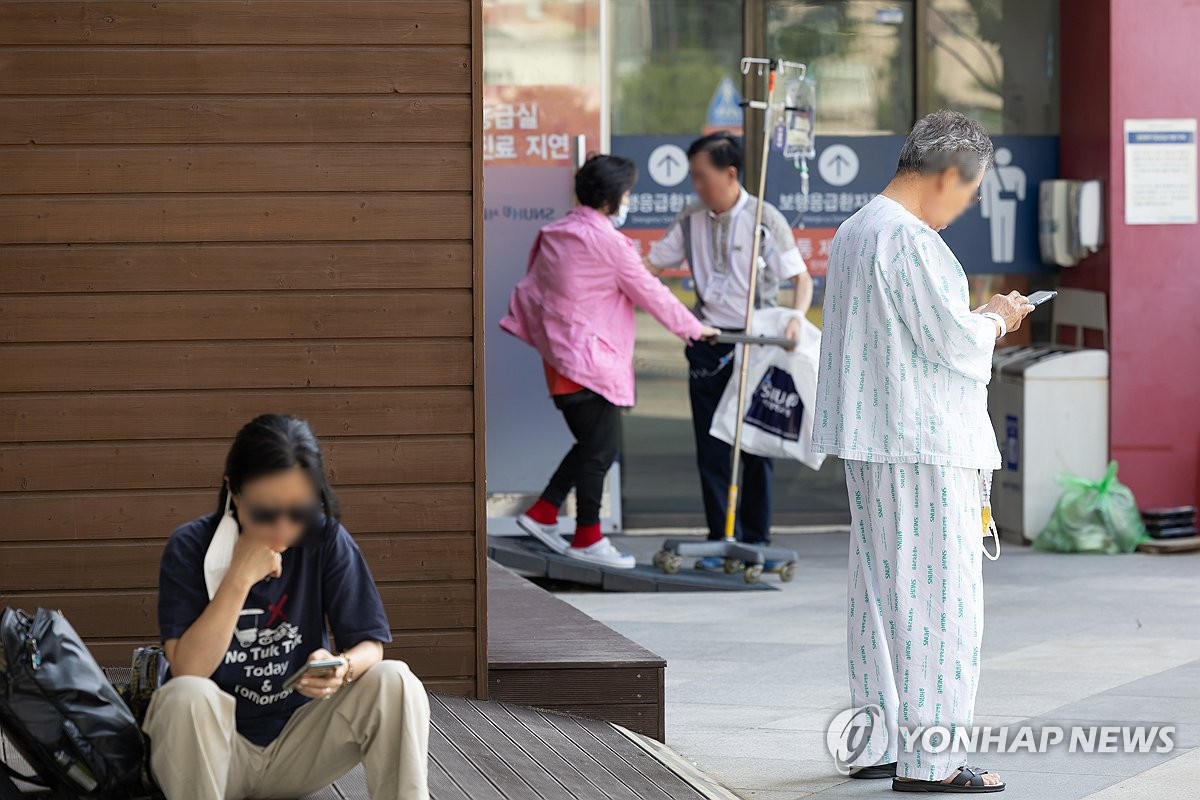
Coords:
pixel 667 165
pixel 838 165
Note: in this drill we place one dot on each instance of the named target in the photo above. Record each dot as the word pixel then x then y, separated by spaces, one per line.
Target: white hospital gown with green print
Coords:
pixel 915 618
pixel 902 397
pixel 904 363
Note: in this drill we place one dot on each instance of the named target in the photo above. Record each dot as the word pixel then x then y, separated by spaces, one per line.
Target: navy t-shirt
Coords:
pixel 282 621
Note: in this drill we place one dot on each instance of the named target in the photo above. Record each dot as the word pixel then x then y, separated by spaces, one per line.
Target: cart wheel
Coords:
pixel 660 558
pixel 733 566
pixel 671 564
pixel 787 572
pixel 753 573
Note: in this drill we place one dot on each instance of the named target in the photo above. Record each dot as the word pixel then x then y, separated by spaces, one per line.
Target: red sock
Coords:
pixel 587 535
pixel 543 513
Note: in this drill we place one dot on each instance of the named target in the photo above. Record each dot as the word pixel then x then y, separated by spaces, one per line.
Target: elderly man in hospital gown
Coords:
pixel 902 398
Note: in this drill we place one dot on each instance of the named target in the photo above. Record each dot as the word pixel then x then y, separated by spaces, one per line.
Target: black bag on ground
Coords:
pixel 59 710
pixel 148 672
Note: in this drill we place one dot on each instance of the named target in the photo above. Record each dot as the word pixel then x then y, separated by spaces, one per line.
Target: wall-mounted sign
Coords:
pixel 667 165
pixel 999 235
pixel 534 125
pixel 1160 171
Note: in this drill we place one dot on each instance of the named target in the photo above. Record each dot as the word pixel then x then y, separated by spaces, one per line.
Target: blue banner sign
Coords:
pixel 999 234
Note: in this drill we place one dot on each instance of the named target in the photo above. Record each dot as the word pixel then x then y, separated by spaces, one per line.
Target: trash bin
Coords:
pixel 1049 407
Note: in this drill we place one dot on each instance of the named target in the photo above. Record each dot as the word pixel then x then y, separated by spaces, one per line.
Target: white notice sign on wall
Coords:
pixel 1160 171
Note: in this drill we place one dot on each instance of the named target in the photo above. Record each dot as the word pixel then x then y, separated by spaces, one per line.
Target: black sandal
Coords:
pixel 969 780
pixel 875 771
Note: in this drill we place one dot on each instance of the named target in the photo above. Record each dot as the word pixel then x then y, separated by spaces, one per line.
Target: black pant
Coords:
pixel 596 425
pixel 707 378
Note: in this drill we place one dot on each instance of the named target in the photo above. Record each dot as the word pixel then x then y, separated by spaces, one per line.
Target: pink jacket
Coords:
pixel 575 303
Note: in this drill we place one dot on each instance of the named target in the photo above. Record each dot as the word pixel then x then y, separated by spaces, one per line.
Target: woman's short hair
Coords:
pixel 274 443
pixel 603 180
pixel 946 139
pixel 722 147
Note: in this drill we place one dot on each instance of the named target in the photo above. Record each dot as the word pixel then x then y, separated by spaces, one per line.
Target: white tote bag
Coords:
pixel 781 391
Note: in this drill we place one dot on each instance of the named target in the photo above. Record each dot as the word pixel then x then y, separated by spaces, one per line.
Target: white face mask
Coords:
pixel 618 219
pixel 219 555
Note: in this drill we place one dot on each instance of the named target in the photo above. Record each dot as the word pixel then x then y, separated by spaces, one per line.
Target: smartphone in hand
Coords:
pixel 1037 298
pixel 322 669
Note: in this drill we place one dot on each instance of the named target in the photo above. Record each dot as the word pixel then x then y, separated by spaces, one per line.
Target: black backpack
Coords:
pixel 60 712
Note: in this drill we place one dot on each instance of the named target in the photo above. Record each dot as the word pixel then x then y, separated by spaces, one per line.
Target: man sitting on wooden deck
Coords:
pixel 243 600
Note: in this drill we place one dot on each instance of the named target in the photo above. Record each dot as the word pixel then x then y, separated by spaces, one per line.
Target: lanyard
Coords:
pixel 733 221
pixel 701 374
pixel 989 523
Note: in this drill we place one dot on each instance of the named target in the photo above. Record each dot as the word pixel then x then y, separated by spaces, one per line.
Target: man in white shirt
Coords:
pixel 715 237
pixel 902 397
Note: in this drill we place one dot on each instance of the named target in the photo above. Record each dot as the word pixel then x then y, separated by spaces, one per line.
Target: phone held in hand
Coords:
pixel 322 668
pixel 1038 298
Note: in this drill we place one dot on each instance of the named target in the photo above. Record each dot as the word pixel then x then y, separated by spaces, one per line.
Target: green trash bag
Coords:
pixel 1093 517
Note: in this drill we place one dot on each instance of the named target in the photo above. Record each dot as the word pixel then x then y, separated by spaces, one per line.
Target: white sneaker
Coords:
pixel 604 554
pixel 546 534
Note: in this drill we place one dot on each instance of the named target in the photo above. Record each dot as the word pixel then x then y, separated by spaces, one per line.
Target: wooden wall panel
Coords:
pixel 201 119
pixel 258 365
pixel 217 414
pixel 238 266
pixel 142 514
pixel 127 613
pixel 216 208
pixel 35 219
pixel 236 22
pixel 170 464
pixel 92 70
pixel 222 316
pixel 236 168
pixel 134 564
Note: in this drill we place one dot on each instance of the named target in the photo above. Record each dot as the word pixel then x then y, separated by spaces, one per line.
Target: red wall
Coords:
pixel 1136 59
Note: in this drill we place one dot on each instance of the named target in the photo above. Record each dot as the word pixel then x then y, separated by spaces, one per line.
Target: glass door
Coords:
pixel 675 76
pixel 543 105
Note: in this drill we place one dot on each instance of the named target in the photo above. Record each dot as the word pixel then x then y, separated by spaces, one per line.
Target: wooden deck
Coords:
pixel 496 751
pixel 578 675
pixel 544 652
pixel 492 751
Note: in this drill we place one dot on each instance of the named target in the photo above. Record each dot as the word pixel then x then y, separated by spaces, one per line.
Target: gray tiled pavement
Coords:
pixel 753 678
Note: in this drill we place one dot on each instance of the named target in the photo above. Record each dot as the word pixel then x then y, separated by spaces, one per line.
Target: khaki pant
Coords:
pixel 380 720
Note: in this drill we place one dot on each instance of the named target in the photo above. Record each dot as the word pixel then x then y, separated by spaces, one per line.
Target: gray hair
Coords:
pixel 946 139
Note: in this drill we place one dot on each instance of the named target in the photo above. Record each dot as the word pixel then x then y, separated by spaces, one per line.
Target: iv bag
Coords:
pixel 800 107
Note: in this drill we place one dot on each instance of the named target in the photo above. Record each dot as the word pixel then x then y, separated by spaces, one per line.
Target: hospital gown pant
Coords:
pixel 915 605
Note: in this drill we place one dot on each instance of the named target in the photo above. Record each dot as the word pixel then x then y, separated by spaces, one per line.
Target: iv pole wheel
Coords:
pixel 733 566
pixel 672 564
pixel 753 573
pixel 660 558
pixel 787 572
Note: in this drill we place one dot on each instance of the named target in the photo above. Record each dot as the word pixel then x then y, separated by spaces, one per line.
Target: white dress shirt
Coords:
pixel 717 248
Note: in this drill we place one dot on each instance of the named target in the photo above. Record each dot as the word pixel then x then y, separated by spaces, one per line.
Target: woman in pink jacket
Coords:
pixel 575 307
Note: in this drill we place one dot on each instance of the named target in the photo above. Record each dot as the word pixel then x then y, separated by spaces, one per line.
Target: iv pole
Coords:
pixel 773 67
pixel 734 552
